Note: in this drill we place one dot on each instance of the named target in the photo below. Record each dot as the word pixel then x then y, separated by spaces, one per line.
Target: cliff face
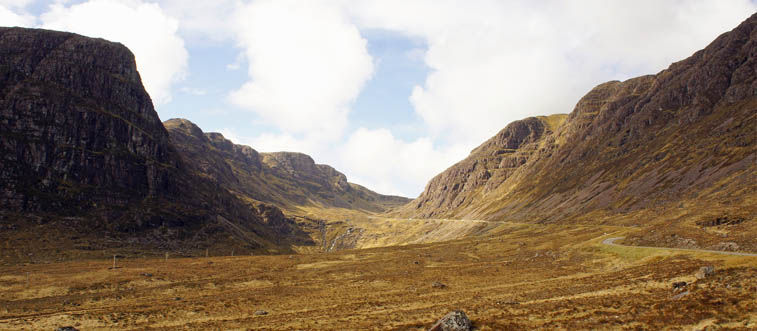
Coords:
pixel 77 126
pixel 85 155
pixel 683 137
pixel 291 181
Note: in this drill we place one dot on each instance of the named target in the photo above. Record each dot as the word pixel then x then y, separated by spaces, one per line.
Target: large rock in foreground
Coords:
pixel 454 321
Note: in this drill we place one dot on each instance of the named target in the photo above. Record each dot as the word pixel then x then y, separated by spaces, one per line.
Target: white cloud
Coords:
pixel 494 62
pixel 9 17
pixel 307 64
pixel 386 164
pixel 142 27
pixel 203 21
pixel 375 159
pixel 318 147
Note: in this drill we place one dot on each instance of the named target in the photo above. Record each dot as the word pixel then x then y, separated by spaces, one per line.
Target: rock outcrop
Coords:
pixel 85 155
pixel 77 126
pixel 685 136
pixel 455 320
pixel 290 181
pixel 486 168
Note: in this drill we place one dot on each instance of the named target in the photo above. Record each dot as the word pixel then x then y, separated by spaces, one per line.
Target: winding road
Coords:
pixel 611 242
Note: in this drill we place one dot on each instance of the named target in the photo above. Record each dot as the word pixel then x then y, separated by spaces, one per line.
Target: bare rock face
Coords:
pixel 454 321
pixel 487 167
pixel 684 134
pixel 83 151
pixel 77 126
pixel 302 167
pixel 285 179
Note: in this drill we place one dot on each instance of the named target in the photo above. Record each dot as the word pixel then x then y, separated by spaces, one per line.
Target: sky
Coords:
pixel 389 92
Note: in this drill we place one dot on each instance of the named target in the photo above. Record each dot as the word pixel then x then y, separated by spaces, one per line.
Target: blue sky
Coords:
pixel 389 92
pixel 383 102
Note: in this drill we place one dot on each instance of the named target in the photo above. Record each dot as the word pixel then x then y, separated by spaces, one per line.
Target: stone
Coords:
pixel 728 246
pixel 438 285
pixel 680 295
pixel 679 286
pixel 260 313
pixel 454 321
pixel 705 272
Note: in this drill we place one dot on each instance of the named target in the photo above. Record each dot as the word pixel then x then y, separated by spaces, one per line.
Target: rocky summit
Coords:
pixel 86 159
pixel 290 181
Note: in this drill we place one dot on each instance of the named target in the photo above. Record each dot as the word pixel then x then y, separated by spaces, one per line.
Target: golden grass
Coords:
pixel 520 276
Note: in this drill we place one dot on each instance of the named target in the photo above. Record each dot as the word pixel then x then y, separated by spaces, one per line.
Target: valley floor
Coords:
pixel 519 276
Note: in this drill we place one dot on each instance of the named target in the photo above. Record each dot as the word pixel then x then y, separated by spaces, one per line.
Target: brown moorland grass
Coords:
pixel 524 277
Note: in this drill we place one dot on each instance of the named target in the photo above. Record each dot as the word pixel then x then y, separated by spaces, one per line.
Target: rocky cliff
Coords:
pixel 679 143
pixel 85 155
pixel 77 125
pixel 291 181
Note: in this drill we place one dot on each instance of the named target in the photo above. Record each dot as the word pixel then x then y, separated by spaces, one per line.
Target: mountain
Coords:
pixel 87 163
pixel 290 181
pixel 486 168
pixel 677 146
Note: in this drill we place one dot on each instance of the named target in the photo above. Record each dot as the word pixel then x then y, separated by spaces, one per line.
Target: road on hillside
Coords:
pixel 611 242
pixel 450 220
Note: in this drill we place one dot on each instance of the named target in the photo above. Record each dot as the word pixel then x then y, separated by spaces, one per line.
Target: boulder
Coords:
pixel 705 272
pixel 454 321
pixel 728 246
pixel 678 286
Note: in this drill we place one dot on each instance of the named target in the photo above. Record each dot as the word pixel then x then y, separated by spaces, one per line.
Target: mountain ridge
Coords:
pixel 292 181
pixel 684 136
pixel 87 163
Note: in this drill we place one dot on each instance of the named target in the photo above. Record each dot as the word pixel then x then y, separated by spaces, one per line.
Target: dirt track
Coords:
pixel 611 242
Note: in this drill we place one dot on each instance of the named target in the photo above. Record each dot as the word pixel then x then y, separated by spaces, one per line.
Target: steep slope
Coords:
pixel 678 145
pixel 486 168
pixel 87 161
pixel 291 181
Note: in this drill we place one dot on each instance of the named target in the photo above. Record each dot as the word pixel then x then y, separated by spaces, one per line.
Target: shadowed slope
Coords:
pixel 87 164
pixel 291 181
